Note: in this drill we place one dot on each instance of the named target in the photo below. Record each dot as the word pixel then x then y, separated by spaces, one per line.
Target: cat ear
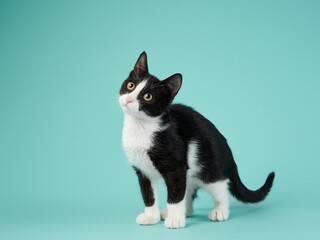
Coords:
pixel 141 64
pixel 174 83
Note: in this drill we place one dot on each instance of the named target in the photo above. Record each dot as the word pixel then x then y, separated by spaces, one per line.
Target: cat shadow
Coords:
pixel 201 214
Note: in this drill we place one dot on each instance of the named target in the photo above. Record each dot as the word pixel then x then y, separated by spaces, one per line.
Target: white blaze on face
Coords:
pixel 133 106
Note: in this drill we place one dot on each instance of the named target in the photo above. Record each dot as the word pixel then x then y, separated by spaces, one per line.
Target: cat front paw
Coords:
pixel 148 219
pixel 175 222
pixel 164 213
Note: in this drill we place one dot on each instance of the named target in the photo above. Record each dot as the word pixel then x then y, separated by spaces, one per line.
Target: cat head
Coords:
pixel 144 95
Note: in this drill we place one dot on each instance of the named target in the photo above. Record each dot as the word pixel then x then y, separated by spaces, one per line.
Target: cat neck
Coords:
pixel 139 132
pixel 142 120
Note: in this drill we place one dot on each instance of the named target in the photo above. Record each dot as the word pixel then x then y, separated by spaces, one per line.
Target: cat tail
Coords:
pixel 243 194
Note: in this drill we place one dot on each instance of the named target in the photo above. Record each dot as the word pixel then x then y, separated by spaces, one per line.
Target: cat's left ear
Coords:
pixel 174 83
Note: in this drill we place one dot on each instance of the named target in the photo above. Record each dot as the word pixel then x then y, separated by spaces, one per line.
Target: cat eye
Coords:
pixel 130 86
pixel 147 97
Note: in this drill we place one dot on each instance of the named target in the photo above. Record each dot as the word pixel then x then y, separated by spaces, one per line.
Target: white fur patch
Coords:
pixel 133 107
pixel 193 159
pixel 176 215
pixel 192 181
pixel 137 140
pixel 219 192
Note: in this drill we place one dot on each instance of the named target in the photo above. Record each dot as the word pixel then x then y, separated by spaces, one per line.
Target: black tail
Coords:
pixel 245 195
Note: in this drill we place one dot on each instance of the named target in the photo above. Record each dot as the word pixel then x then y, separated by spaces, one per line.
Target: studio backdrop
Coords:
pixel 250 67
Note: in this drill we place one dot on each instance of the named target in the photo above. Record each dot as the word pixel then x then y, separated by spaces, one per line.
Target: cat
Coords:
pixel 178 144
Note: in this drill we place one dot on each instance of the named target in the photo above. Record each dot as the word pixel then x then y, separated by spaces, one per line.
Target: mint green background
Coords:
pixel 251 67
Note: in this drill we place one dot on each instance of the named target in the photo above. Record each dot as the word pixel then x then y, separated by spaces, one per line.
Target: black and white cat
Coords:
pixel 176 143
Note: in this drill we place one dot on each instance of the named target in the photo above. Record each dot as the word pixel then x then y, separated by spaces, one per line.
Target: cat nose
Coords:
pixel 128 100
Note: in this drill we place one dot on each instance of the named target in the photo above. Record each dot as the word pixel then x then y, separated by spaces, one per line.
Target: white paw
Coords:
pixel 219 214
pixel 147 219
pixel 164 214
pixel 175 222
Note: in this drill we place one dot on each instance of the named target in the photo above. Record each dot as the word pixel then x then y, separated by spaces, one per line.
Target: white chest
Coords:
pixel 137 139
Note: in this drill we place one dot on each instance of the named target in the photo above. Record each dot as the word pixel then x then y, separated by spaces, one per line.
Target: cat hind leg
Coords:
pixel 219 193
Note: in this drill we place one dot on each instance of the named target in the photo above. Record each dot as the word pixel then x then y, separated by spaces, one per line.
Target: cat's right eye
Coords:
pixel 130 86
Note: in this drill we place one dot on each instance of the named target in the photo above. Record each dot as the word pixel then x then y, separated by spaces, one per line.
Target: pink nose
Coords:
pixel 128 100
